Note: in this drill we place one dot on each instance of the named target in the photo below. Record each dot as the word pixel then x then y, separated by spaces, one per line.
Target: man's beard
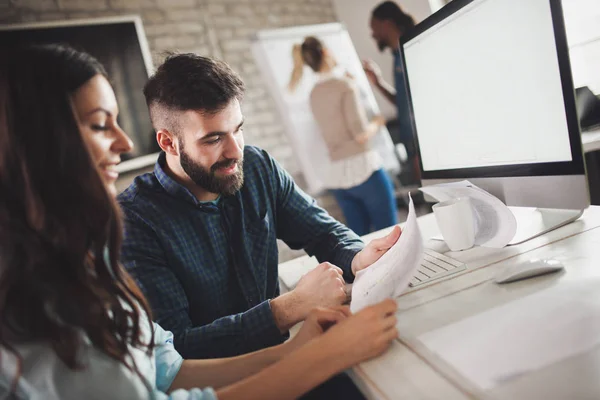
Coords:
pixel 382 45
pixel 224 185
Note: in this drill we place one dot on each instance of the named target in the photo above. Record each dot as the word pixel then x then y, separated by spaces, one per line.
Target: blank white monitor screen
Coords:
pixel 466 115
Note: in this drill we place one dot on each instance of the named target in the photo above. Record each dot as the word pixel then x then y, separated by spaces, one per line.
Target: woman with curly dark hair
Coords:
pixel 73 324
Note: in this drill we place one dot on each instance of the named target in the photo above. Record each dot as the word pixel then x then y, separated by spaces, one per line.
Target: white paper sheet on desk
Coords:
pixel 521 336
pixel 390 275
pixel 496 224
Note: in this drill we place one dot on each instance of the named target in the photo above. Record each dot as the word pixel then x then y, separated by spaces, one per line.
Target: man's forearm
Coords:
pixel 230 335
pixel 288 310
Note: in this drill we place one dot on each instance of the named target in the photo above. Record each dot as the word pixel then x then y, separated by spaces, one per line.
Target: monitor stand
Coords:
pixel 533 222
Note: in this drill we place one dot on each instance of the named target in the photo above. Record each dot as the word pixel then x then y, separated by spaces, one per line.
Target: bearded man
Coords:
pixel 201 230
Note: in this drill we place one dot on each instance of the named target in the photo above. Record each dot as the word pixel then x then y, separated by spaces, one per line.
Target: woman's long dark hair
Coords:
pixel 60 229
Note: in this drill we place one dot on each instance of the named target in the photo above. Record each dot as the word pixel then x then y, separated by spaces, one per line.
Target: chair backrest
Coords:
pixel 588 107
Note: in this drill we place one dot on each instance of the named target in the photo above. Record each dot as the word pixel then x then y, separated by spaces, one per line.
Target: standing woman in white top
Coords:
pixel 73 324
pixel 356 178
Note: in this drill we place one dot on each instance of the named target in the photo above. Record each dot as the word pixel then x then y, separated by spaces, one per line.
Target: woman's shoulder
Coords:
pixel 43 375
pixel 342 82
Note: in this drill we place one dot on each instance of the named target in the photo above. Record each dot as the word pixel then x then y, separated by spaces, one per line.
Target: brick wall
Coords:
pixel 218 28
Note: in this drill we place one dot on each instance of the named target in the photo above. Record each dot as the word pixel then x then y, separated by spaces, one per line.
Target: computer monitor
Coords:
pixel 492 101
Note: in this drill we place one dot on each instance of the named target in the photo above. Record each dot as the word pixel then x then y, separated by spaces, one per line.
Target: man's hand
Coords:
pixel 374 250
pixel 373 72
pixel 324 286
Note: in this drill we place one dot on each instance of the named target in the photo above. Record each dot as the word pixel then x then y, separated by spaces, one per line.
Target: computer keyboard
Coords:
pixel 435 266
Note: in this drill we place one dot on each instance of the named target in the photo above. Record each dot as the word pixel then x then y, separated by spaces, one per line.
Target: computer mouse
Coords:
pixel 528 269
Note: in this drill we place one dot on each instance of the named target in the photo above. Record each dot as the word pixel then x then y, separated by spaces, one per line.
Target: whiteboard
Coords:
pixel 272 50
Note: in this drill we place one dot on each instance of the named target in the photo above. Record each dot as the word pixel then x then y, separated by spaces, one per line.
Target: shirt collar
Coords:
pixel 170 185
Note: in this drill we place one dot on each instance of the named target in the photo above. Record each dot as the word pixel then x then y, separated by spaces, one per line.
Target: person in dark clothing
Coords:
pixel 388 23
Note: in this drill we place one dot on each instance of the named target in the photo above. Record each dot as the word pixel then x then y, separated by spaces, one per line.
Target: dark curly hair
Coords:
pixel 390 11
pixel 60 229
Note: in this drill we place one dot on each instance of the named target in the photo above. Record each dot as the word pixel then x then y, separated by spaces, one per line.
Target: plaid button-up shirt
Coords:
pixel 209 270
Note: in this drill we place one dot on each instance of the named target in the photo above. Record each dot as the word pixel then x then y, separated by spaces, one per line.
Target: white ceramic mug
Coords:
pixel 456 222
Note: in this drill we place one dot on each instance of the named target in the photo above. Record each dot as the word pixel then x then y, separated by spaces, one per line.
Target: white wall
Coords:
pixel 582 22
pixel 355 14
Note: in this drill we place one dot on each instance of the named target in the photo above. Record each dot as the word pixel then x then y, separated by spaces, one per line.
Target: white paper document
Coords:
pixel 495 223
pixel 524 335
pixel 390 275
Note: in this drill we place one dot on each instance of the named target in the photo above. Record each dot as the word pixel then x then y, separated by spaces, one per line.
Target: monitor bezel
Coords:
pixel 574 167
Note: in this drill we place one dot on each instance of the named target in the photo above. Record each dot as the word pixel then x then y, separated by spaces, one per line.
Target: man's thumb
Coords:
pixel 392 237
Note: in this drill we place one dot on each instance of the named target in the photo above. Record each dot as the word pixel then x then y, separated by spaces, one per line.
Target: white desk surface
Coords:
pixel 409 371
pixel 591 141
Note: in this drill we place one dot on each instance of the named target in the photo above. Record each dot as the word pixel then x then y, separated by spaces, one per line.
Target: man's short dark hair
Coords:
pixel 390 11
pixel 190 82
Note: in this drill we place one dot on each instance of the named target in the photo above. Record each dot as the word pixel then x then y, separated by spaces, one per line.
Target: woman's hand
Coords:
pixel 318 321
pixel 377 122
pixel 364 335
